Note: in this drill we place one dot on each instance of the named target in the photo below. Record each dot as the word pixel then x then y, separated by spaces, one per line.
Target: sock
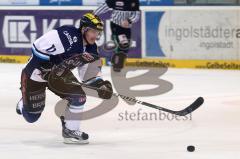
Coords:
pixel 71 120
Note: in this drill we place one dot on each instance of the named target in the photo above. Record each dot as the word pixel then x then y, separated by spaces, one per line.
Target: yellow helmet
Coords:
pixel 92 21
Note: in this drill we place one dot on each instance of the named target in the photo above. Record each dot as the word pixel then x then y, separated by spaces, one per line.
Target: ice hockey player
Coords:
pixel 54 55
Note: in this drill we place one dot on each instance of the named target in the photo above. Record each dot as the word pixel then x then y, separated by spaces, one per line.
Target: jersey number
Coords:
pixel 51 49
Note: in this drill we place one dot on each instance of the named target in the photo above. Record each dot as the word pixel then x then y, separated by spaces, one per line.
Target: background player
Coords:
pixel 124 14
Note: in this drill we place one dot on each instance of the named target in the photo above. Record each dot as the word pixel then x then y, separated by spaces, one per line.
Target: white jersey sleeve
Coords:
pixel 49 44
pixel 88 73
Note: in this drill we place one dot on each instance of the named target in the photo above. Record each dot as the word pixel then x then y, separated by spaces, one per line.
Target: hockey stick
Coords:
pixel 196 104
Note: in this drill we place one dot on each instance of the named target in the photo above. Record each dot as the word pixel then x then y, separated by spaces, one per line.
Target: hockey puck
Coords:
pixel 191 148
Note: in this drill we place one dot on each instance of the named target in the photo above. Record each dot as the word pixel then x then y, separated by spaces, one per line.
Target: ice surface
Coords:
pixel 214 129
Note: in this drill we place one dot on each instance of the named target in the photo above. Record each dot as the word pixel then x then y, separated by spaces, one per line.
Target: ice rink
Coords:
pixel 214 129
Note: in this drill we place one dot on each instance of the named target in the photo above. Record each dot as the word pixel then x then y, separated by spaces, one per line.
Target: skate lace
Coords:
pixel 78 133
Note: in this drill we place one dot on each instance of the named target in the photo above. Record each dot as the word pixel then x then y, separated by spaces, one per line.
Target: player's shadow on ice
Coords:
pixel 57 143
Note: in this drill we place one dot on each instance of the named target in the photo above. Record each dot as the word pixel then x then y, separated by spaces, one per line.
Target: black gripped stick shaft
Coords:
pixel 189 109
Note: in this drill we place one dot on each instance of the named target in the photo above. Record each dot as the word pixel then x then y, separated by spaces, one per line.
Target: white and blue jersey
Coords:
pixel 53 48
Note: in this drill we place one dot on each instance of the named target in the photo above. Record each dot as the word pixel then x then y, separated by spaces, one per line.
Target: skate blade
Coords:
pixel 75 141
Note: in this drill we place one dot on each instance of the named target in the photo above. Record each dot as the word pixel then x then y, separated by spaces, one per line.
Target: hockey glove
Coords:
pixel 105 90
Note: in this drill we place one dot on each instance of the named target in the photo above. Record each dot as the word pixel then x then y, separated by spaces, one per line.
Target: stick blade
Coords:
pixel 195 105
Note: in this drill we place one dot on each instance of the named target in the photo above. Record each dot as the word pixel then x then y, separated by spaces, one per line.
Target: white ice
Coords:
pixel 214 129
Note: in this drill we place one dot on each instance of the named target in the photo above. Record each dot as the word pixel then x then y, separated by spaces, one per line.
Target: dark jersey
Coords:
pixel 58 46
pixel 123 5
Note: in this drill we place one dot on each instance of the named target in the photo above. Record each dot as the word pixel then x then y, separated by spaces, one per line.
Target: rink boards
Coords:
pixel 154 62
pixel 209 38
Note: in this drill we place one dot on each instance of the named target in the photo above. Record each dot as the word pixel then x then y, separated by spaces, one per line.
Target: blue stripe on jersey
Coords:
pixel 40 55
pixel 91 81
